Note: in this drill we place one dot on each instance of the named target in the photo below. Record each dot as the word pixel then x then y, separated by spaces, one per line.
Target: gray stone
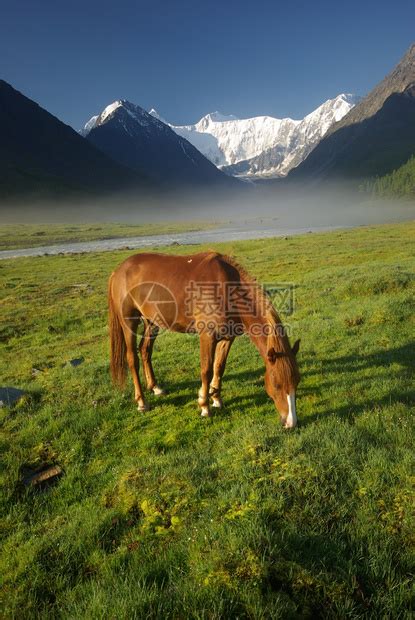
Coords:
pixel 44 476
pixel 76 361
pixel 10 395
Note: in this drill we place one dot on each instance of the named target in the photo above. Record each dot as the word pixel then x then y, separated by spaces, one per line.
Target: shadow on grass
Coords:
pixel 350 365
pixel 400 355
pixel 336 368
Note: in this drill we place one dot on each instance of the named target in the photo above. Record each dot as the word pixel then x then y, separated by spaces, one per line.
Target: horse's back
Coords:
pixel 160 267
pixel 162 284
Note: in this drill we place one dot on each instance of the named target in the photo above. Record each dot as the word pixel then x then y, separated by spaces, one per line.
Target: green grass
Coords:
pixel 13 236
pixel 167 515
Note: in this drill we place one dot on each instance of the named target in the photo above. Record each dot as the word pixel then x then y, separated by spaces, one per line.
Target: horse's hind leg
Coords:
pixel 221 355
pixel 129 326
pixel 146 350
pixel 207 356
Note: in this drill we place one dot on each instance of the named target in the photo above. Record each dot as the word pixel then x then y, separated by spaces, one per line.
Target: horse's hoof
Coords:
pixel 143 408
pixel 288 427
pixel 205 413
pixel 217 402
pixel 158 391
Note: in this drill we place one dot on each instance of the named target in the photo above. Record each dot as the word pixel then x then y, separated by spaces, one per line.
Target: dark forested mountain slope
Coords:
pixel 40 154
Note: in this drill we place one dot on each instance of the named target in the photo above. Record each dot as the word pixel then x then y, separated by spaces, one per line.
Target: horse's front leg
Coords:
pixel 221 356
pixel 207 355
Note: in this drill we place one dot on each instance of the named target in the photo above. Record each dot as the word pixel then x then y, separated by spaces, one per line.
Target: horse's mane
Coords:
pixel 285 361
pixel 263 299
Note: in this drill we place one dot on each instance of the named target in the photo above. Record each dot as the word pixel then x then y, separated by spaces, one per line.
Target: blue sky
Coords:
pixel 188 58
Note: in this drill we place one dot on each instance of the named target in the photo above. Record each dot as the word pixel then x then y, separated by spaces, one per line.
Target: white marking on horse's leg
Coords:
pixel 214 393
pixel 142 405
pixel 205 413
pixel 291 421
pixel 158 390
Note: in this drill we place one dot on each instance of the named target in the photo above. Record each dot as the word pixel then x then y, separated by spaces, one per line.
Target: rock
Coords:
pixel 10 395
pixel 41 368
pixel 44 476
pixel 76 361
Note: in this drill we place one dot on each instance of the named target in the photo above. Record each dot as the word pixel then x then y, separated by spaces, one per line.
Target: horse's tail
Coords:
pixel 117 342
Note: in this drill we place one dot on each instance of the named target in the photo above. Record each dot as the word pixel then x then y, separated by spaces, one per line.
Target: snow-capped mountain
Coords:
pixel 262 146
pixel 377 137
pixel 139 140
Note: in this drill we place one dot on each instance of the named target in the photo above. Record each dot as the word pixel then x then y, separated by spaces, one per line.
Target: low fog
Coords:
pixel 268 207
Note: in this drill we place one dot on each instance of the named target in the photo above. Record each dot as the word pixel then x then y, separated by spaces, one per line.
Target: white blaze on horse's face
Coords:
pixel 284 402
pixel 281 383
pixel 291 421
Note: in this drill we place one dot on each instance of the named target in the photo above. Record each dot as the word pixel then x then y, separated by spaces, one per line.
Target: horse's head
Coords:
pixel 281 380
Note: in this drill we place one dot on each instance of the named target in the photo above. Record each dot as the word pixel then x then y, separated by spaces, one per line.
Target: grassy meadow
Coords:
pixel 13 236
pixel 167 515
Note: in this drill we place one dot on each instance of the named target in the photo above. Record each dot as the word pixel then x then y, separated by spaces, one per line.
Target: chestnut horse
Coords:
pixel 207 294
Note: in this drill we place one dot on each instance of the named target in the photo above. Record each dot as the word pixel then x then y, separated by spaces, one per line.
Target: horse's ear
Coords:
pixel 296 347
pixel 272 355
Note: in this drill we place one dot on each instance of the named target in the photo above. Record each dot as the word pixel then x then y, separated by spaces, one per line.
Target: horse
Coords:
pixel 207 294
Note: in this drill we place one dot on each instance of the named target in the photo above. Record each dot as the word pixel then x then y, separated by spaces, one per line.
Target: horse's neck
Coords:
pixel 263 326
pixel 258 330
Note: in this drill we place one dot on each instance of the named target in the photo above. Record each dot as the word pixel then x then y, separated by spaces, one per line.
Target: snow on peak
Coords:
pixel 127 111
pixel 228 141
pixel 89 126
pixel 156 115
pixel 218 117
pixel 258 146
pixel 110 109
pixel 350 98
pixel 99 119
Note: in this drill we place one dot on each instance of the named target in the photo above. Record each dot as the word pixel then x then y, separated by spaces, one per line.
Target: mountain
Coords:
pixel 41 155
pixel 400 182
pixel 376 137
pixel 139 140
pixel 262 146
